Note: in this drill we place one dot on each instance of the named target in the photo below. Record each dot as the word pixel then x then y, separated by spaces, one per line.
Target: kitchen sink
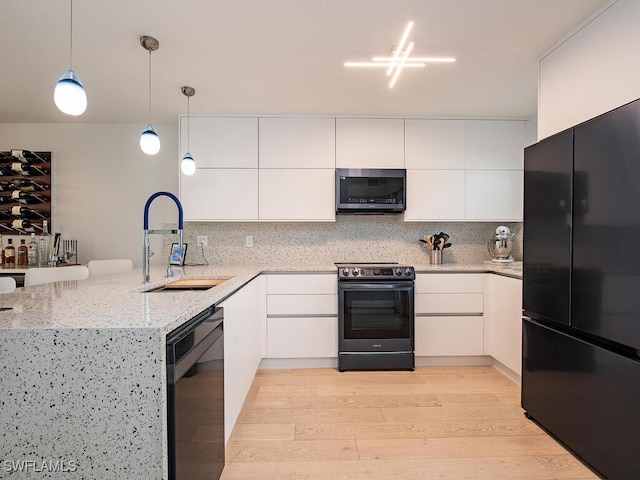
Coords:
pixel 189 284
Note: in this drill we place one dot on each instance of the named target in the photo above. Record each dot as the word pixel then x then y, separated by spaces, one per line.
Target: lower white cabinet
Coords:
pixel 302 315
pixel 504 336
pixel 449 314
pixel 450 335
pixel 302 337
pixel 244 313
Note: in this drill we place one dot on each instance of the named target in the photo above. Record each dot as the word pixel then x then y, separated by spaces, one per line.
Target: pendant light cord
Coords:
pixel 149 110
pixel 71 38
pixel 188 122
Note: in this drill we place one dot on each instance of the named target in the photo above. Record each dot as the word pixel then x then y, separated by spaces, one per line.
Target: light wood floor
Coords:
pixel 434 423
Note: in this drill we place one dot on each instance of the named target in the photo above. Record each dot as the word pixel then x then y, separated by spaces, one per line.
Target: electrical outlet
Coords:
pixel 248 241
pixel 202 240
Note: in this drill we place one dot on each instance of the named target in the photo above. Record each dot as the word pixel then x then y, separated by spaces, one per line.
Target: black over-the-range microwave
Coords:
pixel 371 190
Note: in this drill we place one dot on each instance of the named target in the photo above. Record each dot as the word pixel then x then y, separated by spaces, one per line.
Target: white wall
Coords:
pixel 595 70
pixel 102 181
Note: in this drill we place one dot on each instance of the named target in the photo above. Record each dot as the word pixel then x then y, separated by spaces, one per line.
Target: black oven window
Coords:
pixel 376 314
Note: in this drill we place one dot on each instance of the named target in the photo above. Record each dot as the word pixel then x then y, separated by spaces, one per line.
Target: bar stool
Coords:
pixel 117 265
pixel 37 276
pixel 7 284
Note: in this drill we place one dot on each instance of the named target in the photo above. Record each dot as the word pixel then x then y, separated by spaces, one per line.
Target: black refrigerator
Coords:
pixel 581 290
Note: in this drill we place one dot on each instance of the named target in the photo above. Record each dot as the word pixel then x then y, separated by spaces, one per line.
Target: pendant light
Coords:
pixel 188 164
pixel 149 140
pixel 69 95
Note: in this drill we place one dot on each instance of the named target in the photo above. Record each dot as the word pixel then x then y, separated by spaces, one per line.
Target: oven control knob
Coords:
pixel 345 272
pixel 356 271
pixel 397 271
pixel 376 271
pixel 407 271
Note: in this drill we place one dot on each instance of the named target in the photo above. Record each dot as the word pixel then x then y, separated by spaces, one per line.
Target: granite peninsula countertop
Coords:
pixel 119 301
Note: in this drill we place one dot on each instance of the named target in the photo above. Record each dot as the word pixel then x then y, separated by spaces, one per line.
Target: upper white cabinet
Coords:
pixel 220 194
pixel 305 142
pixel 464 170
pixel 221 142
pixel 495 144
pixel 434 144
pixel 297 194
pixel 435 195
pixel 494 195
pixel 369 143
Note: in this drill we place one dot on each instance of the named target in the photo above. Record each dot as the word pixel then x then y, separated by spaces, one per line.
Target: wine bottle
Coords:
pixel 27 156
pixel 29 185
pixel 29 198
pixel 5 214
pixel 6 198
pixel 5 186
pixel 30 170
pixel 10 254
pixel 26 225
pixel 26 212
pixel 32 254
pixel 5 169
pixel 22 254
pixel 2 251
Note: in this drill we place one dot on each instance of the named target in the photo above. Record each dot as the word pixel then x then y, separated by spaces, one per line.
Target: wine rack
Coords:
pixel 25 191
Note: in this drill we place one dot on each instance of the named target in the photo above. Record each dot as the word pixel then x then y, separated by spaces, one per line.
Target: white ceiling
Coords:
pixel 278 56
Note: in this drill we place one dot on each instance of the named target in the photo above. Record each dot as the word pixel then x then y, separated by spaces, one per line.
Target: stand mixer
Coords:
pixel 501 244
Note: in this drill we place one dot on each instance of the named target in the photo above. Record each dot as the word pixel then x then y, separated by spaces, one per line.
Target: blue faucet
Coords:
pixel 147 232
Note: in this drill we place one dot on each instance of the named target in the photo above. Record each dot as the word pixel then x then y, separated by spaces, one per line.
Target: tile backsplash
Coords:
pixel 352 238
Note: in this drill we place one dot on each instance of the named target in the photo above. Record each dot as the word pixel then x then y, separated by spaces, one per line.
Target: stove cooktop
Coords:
pixel 375 271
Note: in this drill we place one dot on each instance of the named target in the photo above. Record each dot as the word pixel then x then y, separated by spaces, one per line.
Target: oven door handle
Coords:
pixel 356 285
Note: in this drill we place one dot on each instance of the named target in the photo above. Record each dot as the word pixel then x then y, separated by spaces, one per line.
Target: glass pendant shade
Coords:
pixel 188 164
pixel 150 141
pixel 69 94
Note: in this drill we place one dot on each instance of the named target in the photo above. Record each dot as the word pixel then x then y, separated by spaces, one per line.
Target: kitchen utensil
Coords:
pixel 501 244
pixel 436 257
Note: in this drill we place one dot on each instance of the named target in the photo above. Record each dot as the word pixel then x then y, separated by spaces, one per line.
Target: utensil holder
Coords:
pixel 436 257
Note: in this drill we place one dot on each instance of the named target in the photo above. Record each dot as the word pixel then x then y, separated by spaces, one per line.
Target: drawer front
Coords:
pixel 306 337
pixel 302 304
pixel 449 283
pixel 449 303
pixel 444 336
pixel 304 283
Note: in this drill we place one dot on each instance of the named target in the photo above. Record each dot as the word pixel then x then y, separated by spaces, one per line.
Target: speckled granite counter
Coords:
pixel 83 368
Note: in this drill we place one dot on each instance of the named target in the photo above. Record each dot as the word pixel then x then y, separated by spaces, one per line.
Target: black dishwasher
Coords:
pixel 195 397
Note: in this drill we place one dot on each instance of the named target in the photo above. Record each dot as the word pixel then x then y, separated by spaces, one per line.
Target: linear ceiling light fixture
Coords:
pixel 149 140
pixel 188 164
pixel 401 59
pixel 69 95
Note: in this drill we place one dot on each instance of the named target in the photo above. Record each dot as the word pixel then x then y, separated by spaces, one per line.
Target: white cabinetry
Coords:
pixel 225 185
pixel 220 194
pixel 221 142
pixel 304 142
pixel 244 334
pixel 302 315
pixel 504 308
pixel 369 143
pixel 297 194
pixel 449 310
pixel 494 162
pixel 464 170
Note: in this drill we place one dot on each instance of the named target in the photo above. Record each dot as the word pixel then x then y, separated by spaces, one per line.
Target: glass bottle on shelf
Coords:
pixel 23 253
pixel 2 250
pixel 28 185
pixel 32 254
pixel 44 244
pixel 29 198
pixel 27 156
pixel 28 213
pixel 10 254
pixel 29 170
